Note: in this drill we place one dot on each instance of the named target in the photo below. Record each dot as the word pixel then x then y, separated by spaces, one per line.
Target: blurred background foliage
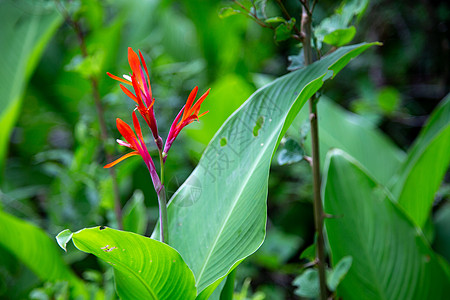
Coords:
pixel 52 153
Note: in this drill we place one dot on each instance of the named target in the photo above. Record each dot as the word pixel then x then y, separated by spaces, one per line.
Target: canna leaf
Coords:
pixel 221 207
pixel 391 258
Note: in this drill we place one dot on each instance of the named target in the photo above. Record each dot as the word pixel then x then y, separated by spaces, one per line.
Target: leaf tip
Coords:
pixel 63 238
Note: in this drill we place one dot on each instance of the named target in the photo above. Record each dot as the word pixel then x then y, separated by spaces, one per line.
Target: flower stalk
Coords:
pixel 163 219
pixel 139 79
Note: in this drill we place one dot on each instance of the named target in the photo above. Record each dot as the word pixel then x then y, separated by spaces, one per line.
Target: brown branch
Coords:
pixel 288 16
pixel 100 112
pixel 319 214
pixel 253 16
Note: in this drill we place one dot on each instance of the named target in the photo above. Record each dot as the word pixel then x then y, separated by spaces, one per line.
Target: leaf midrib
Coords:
pixel 240 191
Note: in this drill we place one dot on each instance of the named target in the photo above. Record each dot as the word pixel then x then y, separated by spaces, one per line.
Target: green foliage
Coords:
pixel 215 195
pixel 339 272
pixel 51 150
pixel 355 135
pixel 340 37
pixel 422 172
pixel 290 153
pixel 308 282
pixel 283 31
pixel 365 217
pixel 228 11
pixel 134 214
pixel 22 41
pixel 336 30
pixel 442 232
pixel 37 251
pixel 389 100
pixel 144 268
pixel 309 253
pixel 278 247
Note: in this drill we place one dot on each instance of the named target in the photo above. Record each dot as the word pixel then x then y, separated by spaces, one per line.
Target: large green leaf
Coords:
pixel 36 250
pixel 421 174
pixel 342 129
pixel 391 258
pixel 218 216
pixel 144 268
pixel 25 30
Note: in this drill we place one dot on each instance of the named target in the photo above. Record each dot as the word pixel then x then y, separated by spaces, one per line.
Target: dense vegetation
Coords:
pixel 384 132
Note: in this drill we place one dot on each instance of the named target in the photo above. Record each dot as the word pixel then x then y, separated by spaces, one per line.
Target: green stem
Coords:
pixel 161 162
pixel 318 208
pixel 163 221
pixel 228 288
pixel 162 202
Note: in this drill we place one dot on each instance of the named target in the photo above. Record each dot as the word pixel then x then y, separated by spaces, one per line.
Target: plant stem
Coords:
pixel 318 209
pixel 163 223
pixel 163 220
pixel 99 108
pixel 161 162
pixel 228 288
pixel 288 16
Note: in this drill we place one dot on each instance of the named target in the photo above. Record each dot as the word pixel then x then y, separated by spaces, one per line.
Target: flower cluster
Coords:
pixel 140 81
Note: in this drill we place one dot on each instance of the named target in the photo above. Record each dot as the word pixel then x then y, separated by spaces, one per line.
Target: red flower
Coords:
pixel 142 89
pixel 137 144
pixel 190 114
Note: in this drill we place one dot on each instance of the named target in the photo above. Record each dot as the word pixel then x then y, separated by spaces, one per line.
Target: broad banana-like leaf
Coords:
pixel 421 174
pixel 218 216
pixel 37 251
pixel 26 27
pixel 143 268
pixel 391 258
pixel 342 129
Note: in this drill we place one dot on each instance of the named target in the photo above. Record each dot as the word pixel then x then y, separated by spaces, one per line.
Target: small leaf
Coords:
pixel 283 31
pixel 309 253
pixel 63 238
pixel 352 8
pixel 307 284
pixel 87 66
pixel 340 37
pixel 228 11
pixel 290 153
pixel 339 272
pixel 275 20
pixel 259 8
pixel 296 61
